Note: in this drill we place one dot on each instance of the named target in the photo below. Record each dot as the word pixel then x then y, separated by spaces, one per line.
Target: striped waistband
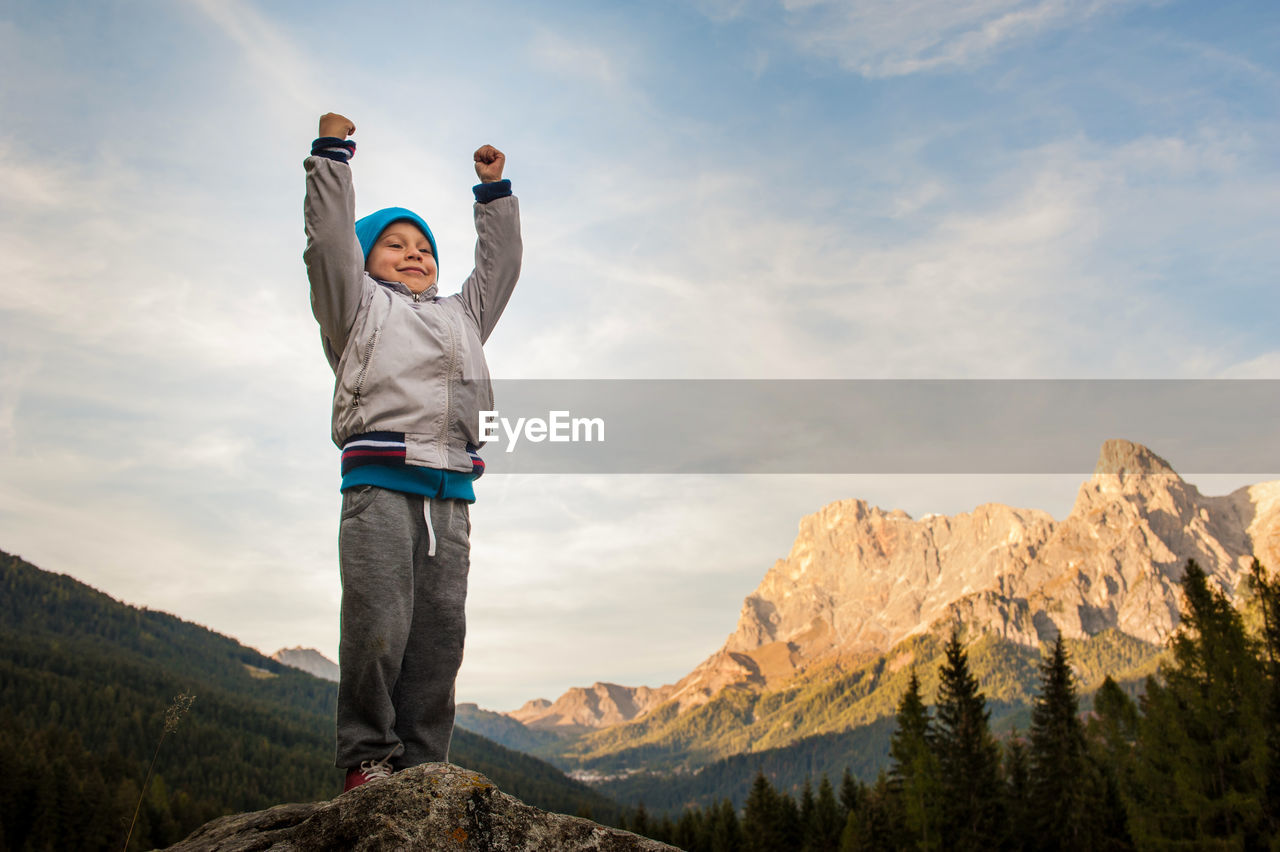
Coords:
pixel 388 449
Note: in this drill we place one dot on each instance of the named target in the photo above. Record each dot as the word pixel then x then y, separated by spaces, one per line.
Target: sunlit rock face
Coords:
pixel 309 660
pixel 597 706
pixel 860 579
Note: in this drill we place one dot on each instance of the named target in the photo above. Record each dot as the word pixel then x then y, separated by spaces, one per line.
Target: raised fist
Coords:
pixel 334 125
pixel 489 163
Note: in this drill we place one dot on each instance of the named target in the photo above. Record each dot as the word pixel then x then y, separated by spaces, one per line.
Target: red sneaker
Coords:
pixel 370 770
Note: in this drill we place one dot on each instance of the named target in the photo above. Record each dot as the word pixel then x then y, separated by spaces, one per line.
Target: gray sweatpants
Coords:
pixel 403 625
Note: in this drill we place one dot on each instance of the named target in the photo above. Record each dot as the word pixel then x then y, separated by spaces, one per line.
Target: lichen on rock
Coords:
pixel 435 806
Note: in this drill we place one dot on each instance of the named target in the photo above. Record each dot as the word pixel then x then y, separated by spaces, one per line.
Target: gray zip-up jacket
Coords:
pixel 406 363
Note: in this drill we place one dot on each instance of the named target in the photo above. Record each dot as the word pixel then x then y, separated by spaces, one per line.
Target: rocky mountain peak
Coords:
pixel 308 660
pixel 598 705
pixel 530 709
pixel 1130 480
pixel 1126 468
pixel 1120 457
pixel 858 579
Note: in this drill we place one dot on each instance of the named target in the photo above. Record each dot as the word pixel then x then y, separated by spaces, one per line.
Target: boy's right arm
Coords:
pixel 335 262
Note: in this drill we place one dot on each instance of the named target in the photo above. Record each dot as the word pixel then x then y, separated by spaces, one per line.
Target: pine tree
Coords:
pixel 912 735
pixel 875 826
pixel 913 773
pixel 1267 591
pixel 1201 758
pixel 1017 777
pixel 762 819
pixel 826 819
pixel 808 808
pixel 639 822
pixel 726 830
pixel 664 830
pixel 691 830
pixel 852 794
pixel 1115 718
pixel 1064 793
pixel 1111 735
pixel 968 758
pixel 790 829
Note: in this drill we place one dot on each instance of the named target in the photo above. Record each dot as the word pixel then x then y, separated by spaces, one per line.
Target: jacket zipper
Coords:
pixel 364 367
pixel 448 392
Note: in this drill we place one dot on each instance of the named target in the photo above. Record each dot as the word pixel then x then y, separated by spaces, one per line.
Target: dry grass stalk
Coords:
pixel 181 704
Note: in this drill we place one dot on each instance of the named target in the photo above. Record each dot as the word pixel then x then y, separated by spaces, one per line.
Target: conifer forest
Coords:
pixel 1193 763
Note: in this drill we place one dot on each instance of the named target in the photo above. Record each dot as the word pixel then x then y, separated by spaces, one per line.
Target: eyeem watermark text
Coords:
pixel 559 427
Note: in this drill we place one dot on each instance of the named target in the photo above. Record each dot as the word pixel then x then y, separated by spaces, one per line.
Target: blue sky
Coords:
pixel 805 189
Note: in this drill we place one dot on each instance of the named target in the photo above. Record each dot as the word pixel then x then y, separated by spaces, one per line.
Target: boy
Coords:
pixel 410 381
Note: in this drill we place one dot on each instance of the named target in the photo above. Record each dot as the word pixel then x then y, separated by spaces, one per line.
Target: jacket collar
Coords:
pixel 398 287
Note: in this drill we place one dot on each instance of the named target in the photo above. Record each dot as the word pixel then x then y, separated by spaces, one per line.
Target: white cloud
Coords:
pixel 892 38
pixel 722 10
pixel 278 63
pixel 576 59
pixel 1264 366
pixel 1055 265
pixel 1235 62
pixel 40 185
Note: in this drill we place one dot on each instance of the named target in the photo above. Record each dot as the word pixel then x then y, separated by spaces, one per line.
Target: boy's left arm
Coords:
pixel 498 245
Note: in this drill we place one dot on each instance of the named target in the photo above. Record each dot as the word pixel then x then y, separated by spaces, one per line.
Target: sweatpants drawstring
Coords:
pixel 431 532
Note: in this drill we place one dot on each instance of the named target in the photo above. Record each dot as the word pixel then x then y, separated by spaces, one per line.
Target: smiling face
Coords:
pixel 403 253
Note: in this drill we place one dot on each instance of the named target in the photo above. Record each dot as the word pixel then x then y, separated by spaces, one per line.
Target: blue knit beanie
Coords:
pixel 371 227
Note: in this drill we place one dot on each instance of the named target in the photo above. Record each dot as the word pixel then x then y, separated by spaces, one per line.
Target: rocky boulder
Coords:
pixel 436 806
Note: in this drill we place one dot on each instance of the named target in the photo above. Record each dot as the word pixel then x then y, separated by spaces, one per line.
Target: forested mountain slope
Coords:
pixel 84 685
